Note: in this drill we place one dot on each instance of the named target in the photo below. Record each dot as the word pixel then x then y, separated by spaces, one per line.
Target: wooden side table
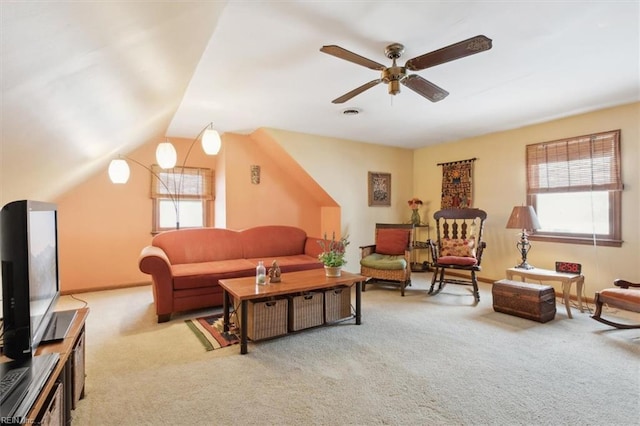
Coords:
pixel 549 275
pixel 418 244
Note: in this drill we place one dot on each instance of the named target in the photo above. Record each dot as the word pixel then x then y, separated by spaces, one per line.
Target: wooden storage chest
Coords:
pixel 526 300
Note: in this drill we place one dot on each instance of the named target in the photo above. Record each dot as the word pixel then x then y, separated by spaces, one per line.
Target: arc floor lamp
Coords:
pixel 167 157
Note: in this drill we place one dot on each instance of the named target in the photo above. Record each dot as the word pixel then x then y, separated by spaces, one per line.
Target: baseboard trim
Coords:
pixel 103 288
pixel 572 296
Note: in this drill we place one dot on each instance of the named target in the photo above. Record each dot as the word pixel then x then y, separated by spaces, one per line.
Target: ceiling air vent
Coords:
pixel 351 111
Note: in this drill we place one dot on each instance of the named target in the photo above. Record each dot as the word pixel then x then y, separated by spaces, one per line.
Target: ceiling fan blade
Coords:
pixel 356 91
pixel 458 50
pixel 425 88
pixel 341 53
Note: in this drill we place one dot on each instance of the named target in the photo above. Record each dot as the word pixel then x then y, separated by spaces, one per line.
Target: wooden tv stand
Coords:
pixel 65 386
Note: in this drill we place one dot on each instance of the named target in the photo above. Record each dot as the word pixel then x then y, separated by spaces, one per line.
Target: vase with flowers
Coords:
pixel 414 205
pixel 333 254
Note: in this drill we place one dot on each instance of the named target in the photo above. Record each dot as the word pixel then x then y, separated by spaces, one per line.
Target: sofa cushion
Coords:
pixel 199 245
pixel 298 262
pixel 392 241
pixel 384 262
pixel 207 274
pixel 272 241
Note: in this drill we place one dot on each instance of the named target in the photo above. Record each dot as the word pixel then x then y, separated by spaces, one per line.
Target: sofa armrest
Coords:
pixel 154 261
pixel 312 246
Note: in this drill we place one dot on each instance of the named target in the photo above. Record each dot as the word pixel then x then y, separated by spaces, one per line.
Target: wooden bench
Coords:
pixel 623 297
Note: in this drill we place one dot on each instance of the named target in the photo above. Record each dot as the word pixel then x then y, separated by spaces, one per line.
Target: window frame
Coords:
pixel 614 187
pixel 170 189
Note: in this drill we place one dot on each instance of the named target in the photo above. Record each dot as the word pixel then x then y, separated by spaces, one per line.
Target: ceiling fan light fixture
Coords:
pixel 394 87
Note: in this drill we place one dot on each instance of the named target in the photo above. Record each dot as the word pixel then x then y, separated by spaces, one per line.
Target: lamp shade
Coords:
pixel 166 155
pixel 211 142
pixel 523 217
pixel 119 171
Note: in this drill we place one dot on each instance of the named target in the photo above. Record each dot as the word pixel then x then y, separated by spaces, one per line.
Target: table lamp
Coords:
pixel 523 217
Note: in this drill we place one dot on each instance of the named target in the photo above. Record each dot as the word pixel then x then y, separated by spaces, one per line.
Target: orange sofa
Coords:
pixel 186 264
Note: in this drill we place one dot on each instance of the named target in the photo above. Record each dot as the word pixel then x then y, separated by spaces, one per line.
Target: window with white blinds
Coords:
pixel 575 186
pixel 182 197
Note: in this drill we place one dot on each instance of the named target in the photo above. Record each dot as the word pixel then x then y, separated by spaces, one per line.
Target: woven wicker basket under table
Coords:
pixel 245 289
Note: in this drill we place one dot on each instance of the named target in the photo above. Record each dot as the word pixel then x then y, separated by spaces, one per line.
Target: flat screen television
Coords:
pixel 30 281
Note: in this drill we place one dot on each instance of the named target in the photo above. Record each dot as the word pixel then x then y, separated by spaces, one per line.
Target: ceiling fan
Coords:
pixel 394 75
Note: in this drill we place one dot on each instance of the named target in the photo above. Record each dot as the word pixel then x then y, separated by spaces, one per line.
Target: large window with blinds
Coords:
pixel 182 197
pixel 575 187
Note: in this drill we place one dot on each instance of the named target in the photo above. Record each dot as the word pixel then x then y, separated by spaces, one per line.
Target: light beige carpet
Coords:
pixel 415 360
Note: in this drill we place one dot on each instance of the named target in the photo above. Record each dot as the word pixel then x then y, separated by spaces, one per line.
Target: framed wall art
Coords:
pixel 379 189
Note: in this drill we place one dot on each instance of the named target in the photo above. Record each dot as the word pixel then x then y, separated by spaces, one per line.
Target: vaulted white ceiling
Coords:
pixel 84 81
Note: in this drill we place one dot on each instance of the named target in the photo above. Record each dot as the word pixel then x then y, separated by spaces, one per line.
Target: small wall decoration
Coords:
pixel 456 184
pixel 379 189
pixel 255 174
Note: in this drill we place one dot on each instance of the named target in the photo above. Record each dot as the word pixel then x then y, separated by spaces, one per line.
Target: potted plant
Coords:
pixel 414 205
pixel 332 256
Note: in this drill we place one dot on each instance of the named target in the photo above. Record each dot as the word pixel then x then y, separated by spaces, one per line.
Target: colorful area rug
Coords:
pixel 209 331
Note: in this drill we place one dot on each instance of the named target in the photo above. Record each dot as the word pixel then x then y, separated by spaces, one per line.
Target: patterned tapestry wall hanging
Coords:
pixel 456 184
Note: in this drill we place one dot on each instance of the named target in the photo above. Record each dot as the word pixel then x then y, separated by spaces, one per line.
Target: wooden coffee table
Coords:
pixel 245 289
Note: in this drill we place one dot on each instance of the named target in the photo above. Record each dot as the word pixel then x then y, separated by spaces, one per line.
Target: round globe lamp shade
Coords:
pixel 119 171
pixel 211 142
pixel 166 155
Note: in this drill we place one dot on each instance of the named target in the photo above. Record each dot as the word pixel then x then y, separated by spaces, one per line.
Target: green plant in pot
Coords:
pixel 333 253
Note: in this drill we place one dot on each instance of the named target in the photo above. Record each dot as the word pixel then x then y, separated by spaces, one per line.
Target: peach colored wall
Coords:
pixel 500 184
pixel 280 198
pixel 103 226
pixel 220 184
pixel 340 167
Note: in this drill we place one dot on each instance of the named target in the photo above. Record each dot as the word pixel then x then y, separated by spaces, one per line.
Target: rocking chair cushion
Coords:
pixel 384 262
pixel 457 260
pixel 392 241
pixel 626 298
pixel 458 247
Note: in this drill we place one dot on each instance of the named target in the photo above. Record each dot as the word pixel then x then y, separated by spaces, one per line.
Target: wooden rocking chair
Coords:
pixel 458 246
pixel 624 297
